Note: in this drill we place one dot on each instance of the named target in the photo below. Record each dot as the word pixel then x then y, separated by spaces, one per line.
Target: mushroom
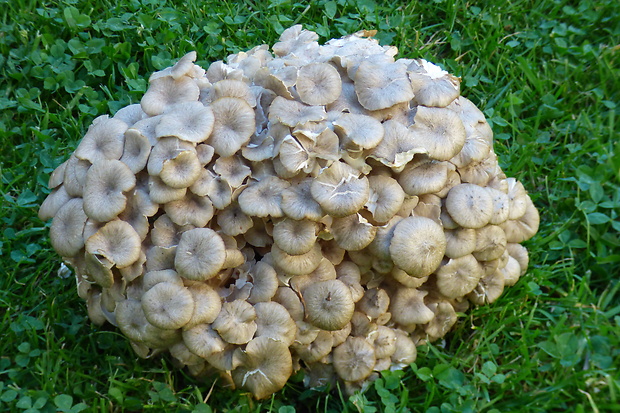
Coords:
pixel 417 246
pixel 67 228
pixel 168 306
pixel 265 366
pixel 469 205
pixel 323 208
pixel 200 255
pixel 318 84
pixel 236 322
pixel 105 188
pixel 354 359
pixel 339 190
pixel 328 304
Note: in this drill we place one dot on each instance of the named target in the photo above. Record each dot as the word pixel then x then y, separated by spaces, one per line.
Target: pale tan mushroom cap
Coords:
pixel 168 306
pixel 233 127
pixel 318 84
pixel 328 304
pixel 105 187
pixel 354 359
pixel 265 368
pixel 200 255
pixel 340 190
pixel 417 246
pixel 236 322
pixel 469 205
pixel 381 86
pixel 117 241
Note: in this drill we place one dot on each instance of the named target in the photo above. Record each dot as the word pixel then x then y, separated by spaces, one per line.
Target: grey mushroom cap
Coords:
pixel 417 246
pixel 379 86
pixel 318 84
pixel 340 190
pixel 67 228
pixel 329 304
pixel 200 255
pixel 104 140
pixel 469 205
pixel 106 183
pixel 168 306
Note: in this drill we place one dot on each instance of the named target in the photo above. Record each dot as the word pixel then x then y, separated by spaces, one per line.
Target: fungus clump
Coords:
pixel 318 207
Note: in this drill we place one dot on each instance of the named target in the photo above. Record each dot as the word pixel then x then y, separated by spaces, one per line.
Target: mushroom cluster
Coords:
pixel 324 207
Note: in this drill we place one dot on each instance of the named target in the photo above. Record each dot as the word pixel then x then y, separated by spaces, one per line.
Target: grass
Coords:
pixel 546 75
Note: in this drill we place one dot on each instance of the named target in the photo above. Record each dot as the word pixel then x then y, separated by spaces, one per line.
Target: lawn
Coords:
pixel 545 73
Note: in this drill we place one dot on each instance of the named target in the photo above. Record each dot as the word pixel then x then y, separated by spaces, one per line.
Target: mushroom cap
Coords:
pixel 264 368
pixel 354 359
pixel 190 210
pixel 328 304
pixel 318 84
pixel 445 317
pixel 417 246
pixel 408 308
pixel 406 351
pixel 386 198
pixel 233 170
pixel 431 85
pixel 200 254
pixel 165 91
pixel 104 140
pixel 297 264
pixel 295 237
pixel 207 305
pixel 188 121
pixel 488 289
pixel 458 276
pixel 236 322
pixel 339 190
pixel 264 283
pixel 168 306
pixel 490 243
pixel 74 176
pixel 353 232
pixel 292 113
pixel 98 270
pixel 358 131
pixel 519 253
pixel 439 131
pixel 263 198
pixel 106 183
pixel 374 303
pixel 66 232
pixel 460 242
pixel 397 147
pixel 117 241
pixel 233 127
pixel 136 150
pixel 469 205
pixel 525 227
pixel 426 177
pixel 274 321
pixel 297 202
pixel 319 348
pixel 53 202
pixel 291 301
pixel 151 278
pixel 161 193
pixel 385 344
pixel 379 86
pixel 202 340
pixel 175 162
